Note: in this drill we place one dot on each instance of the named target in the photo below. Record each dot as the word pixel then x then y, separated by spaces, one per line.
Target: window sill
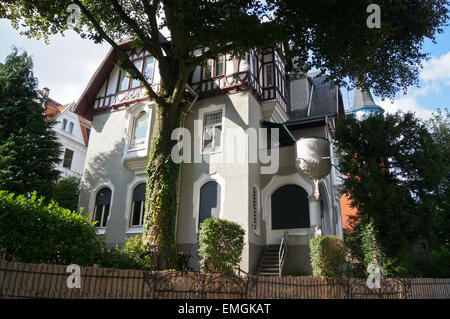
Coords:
pixel 134 230
pixel 212 152
pixel 100 231
pixel 136 149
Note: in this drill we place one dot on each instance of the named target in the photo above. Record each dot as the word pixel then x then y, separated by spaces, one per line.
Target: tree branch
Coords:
pixel 153 46
pixel 123 56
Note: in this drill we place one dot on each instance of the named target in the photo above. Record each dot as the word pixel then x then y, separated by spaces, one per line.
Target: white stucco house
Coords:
pixel 73 132
pixel 272 198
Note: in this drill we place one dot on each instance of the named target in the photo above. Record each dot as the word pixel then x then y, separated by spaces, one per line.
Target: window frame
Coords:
pixel 64 158
pixel 142 209
pixel 70 129
pixel 198 184
pixel 133 146
pixel 142 59
pixel 102 219
pixel 64 124
pixel 214 67
pixel 214 148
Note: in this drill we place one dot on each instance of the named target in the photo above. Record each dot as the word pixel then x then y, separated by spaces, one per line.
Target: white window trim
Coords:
pixel 276 182
pixel 202 180
pixel 129 203
pixel 132 115
pixel 101 230
pixel 201 114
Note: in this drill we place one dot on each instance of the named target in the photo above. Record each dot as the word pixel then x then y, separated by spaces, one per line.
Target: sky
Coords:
pixel 66 65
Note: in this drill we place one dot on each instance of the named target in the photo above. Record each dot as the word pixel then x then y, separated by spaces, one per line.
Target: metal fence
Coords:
pixel 24 280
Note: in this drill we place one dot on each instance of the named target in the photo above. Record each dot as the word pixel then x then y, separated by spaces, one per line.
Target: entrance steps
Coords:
pixel 269 264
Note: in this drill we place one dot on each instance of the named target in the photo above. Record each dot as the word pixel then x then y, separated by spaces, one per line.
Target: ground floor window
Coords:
pixel 137 207
pixel 209 201
pixel 102 207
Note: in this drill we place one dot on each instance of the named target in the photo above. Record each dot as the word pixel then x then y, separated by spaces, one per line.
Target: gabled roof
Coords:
pixel 318 99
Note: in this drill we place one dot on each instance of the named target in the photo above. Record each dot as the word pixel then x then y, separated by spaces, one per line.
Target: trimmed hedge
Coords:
pixel 327 256
pixel 36 232
pixel 221 244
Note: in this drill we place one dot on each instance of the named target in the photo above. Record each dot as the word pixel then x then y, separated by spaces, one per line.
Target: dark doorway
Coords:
pixel 290 208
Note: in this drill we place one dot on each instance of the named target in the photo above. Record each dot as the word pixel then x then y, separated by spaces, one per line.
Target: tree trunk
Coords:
pixel 161 195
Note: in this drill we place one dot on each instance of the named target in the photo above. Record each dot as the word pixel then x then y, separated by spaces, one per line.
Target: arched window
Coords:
pixel 255 210
pixel 290 208
pixel 102 207
pixel 209 201
pixel 140 130
pixel 137 207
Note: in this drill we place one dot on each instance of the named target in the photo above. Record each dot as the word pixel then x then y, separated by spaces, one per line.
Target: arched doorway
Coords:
pixel 290 208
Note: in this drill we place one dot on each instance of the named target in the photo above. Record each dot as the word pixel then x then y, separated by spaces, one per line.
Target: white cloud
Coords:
pixel 405 104
pixel 437 69
pixel 435 77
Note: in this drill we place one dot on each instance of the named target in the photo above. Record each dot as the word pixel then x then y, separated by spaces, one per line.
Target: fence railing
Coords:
pixel 23 280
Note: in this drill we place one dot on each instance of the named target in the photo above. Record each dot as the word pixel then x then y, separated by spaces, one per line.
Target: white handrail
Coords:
pixel 282 253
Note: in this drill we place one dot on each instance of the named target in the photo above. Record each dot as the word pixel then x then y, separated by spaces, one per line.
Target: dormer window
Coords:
pixel 140 130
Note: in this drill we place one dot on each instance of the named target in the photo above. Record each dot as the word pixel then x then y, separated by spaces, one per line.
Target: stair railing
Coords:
pixel 282 253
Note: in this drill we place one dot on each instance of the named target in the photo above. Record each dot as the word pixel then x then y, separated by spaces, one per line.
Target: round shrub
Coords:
pixel 220 245
pixel 35 232
pixel 327 256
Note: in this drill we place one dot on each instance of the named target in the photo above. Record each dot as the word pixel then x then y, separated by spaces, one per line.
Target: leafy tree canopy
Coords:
pixel 327 35
pixel 394 172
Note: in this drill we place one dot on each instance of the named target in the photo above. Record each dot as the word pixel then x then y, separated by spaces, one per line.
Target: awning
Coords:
pixel 286 137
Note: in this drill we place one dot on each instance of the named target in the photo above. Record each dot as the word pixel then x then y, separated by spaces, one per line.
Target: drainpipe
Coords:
pixel 182 124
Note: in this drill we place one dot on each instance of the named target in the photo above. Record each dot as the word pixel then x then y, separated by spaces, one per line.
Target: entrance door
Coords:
pixel 290 208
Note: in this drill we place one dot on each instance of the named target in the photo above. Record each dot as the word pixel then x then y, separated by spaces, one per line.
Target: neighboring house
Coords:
pixel 233 95
pixel 363 105
pixel 73 133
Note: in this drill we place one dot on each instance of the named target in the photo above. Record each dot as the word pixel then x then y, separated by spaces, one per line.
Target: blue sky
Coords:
pixel 67 64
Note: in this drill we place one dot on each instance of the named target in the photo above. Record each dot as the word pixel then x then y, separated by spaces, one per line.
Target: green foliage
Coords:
pixel 355 267
pixel 327 256
pixel 28 147
pixel 386 59
pixel 394 171
pixel 133 255
pixel 220 245
pixel 66 192
pixel 35 232
pixel 439 126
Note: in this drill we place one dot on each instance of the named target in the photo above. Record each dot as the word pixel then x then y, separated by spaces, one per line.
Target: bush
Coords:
pixel 35 232
pixel 133 255
pixel 220 245
pixel 327 256
pixel 66 192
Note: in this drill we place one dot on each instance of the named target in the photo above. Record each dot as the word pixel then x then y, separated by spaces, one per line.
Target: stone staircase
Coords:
pixel 268 265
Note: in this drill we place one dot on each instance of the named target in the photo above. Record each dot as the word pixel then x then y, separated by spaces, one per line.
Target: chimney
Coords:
pixel 45 92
